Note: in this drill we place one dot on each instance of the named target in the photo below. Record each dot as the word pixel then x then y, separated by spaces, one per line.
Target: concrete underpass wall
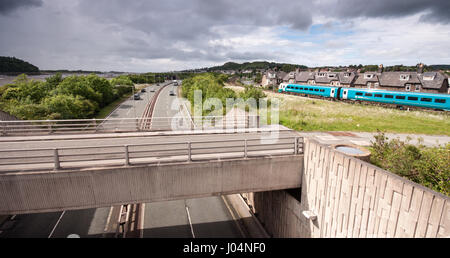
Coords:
pixel 352 198
pixel 78 189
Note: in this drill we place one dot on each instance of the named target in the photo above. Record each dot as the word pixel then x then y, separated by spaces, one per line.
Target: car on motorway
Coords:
pixel 157 84
pixel 143 90
pixel 137 96
pixel 171 93
pixel 152 90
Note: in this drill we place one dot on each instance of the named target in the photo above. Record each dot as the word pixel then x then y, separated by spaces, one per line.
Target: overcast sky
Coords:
pixel 144 35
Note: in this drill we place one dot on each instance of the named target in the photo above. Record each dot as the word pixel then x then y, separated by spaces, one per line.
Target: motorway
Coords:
pixel 200 217
pixel 84 223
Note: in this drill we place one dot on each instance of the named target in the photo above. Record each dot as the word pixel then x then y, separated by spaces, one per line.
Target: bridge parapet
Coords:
pixel 25 192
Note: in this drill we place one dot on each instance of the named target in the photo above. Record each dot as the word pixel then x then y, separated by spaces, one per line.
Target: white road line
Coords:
pixel 141 230
pixel 53 230
pixel 190 222
pixel 108 219
pixel 235 219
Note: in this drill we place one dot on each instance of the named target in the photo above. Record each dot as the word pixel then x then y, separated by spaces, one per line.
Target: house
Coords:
pixel 289 77
pixel 368 80
pixel 429 82
pixel 269 78
pixel 434 82
pixel 346 79
pixel 306 77
pixel 400 81
pixel 272 78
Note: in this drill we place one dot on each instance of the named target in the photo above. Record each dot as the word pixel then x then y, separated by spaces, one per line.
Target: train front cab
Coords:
pixel 282 87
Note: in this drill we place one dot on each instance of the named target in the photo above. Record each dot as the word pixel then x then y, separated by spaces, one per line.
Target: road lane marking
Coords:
pixel 108 219
pixel 235 220
pixel 141 221
pixel 53 230
pixel 190 222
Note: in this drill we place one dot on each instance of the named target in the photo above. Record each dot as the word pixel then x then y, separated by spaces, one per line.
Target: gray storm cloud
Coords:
pixel 8 6
pixel 81 32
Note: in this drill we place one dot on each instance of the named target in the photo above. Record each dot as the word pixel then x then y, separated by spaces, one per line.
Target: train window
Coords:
pixel 359 94
pixel 311 89
pixel 301 88
pixel 400 97
pixel 368 94
pixel 426 99
pixel 413 98
pixel 316 89
pixel 322 90
pixel 389 96
pixel 439 100
pixel 379 95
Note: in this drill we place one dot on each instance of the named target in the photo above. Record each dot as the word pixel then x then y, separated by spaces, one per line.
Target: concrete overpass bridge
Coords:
pixel 73 172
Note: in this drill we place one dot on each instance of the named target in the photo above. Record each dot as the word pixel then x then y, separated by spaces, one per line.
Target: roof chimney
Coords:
pixel 380 68
pixel 420 68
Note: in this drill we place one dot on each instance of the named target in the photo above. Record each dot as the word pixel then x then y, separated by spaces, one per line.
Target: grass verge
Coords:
pixel 104 112
pixel 306 114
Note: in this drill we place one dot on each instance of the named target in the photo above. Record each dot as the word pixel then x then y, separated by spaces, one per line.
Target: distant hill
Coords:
pixel 15 65
pixel 256 65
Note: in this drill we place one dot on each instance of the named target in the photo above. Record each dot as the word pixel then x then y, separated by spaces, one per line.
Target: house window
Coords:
pixel 346 74
pixel 417 87
pixel 331 75
pixel 408 87
pixel 376 84
pixel 404 77
pixel 368 76
pixel 321 75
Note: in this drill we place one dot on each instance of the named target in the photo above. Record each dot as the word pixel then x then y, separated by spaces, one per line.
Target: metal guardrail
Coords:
pixel 145 122
pixel 42 127
pixel 147 153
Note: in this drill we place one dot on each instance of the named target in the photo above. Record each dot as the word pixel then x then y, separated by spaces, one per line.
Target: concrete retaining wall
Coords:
pixel 352 198
pixel 64 190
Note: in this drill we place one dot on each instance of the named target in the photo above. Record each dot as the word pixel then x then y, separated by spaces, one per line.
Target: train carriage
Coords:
pixel 415 99
pixel 323 91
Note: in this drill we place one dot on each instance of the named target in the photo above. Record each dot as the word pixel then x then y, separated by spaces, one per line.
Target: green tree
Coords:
pixel 69 107
pixel 103 87
pixel 78 86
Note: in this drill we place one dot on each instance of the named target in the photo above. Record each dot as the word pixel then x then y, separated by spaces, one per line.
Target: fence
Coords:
pixel 88 156
pixel 42 127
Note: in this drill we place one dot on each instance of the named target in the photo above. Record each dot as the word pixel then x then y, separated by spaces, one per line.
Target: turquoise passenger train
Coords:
pixel 401 99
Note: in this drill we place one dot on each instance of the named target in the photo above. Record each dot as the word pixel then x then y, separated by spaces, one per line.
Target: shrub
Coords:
pixel 428 166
